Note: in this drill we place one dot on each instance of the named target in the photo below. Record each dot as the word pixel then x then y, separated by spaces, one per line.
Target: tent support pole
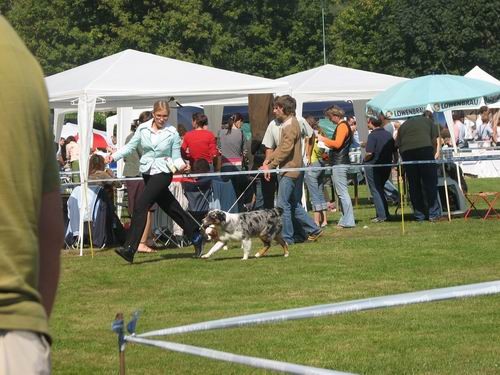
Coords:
pixel 401 197
pixel 446 193
pixel 440 155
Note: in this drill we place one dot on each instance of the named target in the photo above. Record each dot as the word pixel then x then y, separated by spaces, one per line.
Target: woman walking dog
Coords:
pixel 161 158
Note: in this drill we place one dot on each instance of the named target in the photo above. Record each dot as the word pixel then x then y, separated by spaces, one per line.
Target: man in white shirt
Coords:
pixel 459 128
pixel 484 131
pixel 273 135
pixel 271 140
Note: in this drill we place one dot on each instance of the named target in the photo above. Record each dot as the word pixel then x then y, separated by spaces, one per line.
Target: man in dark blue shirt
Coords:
pixel 379 150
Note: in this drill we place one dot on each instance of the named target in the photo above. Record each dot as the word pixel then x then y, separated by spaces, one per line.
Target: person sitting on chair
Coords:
pixel 98 171
pixel 197 190
pixel 200 143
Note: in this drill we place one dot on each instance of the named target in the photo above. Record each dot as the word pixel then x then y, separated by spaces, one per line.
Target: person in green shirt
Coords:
pixel 31 223
pixel 417 141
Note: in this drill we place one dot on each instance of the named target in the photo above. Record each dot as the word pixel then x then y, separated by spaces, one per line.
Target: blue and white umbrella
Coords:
pixel 437 93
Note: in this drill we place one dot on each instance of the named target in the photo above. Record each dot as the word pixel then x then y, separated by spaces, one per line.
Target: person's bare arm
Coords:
pixel 309 147
pixel 216 162
pixel 265 165
pixel 50 242
pixel 269 153
pixel 495 123
pixel 368 157
pixel 436 144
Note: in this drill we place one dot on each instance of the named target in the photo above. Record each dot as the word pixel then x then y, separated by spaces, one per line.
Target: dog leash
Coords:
pixel 241 195
pixel 235 202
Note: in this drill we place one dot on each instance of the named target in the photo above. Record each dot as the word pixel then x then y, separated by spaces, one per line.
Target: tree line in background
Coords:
pixel 269 38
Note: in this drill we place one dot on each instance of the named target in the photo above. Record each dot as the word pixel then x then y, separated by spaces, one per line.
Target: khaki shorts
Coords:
pixel 24 352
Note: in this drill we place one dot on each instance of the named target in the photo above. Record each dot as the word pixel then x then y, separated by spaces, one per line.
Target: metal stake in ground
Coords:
pixel 117 327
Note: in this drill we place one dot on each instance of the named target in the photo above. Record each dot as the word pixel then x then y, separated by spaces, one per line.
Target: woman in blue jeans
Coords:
pixel 339 159
pixel 315 181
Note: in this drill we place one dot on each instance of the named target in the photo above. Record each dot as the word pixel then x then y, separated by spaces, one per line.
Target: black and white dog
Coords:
pixel 266 224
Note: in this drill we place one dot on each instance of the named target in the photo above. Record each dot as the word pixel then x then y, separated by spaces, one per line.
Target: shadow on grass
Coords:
pixel 408 216
pixel 240 258
pixel 479 213
pixel 163 257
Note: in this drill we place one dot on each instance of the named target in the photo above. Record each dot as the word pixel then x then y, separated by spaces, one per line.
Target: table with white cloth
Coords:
pixel 480 168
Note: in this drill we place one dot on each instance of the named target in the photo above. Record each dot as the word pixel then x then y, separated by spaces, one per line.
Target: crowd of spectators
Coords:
pixel 294 142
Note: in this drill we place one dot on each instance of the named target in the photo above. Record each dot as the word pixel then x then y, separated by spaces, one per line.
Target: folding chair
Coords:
pixel 74 204
pixel 162 230
pixel 490 198
pixel 164 226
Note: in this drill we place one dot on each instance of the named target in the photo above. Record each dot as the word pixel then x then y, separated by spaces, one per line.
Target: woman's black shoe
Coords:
pixel 126 253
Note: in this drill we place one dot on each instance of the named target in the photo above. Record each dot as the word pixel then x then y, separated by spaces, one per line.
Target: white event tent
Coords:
pixel 333 82
pixel 132 79
pixel 479 73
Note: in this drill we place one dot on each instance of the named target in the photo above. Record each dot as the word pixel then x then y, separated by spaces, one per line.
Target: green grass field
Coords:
pixel 171 288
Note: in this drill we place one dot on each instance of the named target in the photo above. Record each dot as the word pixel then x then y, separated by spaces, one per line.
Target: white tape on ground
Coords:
pixel 267 364
pixel 471 290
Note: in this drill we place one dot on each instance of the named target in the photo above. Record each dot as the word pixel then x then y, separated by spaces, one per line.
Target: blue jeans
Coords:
pixel 299 234
pixel 292 209
pixel 339 180
pixel 315 182
pixel 376 178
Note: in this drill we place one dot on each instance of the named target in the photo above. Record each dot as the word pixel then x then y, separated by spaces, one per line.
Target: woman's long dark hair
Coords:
pixel 70 139
pixel 96 163
pixel 200 119
pixel 145 116
pixel 234 117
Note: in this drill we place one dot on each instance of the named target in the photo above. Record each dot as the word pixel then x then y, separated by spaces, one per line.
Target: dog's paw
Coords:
pixel 286 255
pixel 244 258
pixel 258 255
pixel 205 256
pixel 225 248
